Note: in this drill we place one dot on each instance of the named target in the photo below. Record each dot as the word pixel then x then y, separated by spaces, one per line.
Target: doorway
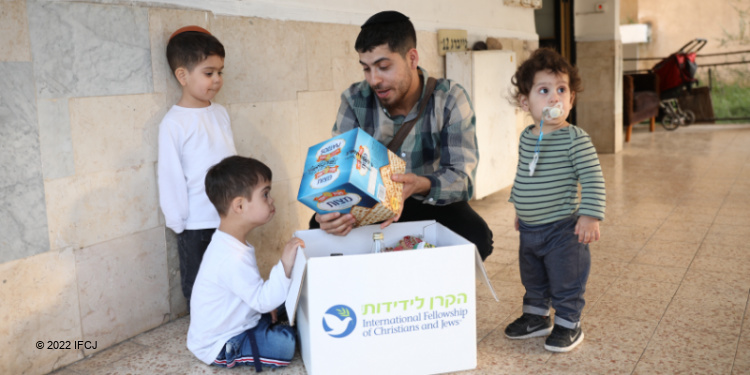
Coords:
pixel 555 27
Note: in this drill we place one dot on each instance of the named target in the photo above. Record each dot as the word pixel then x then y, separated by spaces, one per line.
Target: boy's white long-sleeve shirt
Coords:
pixel 191 140
pixel 229 295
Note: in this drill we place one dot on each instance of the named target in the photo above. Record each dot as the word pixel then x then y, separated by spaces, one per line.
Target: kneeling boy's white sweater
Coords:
pixel 229 295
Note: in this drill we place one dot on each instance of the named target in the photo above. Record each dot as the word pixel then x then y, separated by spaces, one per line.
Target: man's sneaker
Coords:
pixel 529 325
pixel 563 339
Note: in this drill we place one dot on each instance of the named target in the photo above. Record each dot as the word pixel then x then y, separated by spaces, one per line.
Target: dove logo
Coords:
pixel 339 321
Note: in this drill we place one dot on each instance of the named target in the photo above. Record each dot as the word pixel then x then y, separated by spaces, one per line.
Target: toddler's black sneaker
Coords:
pixel 528 326
pixel 563 339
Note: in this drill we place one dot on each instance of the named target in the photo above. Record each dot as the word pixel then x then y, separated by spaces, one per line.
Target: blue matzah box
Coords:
pixel 343 172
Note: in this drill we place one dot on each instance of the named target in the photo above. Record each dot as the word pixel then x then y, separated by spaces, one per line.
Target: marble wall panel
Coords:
pixel 346 71
pixel 599 82
pixel 324 42
pixel 597 50
pixel 14 31
pixel 522 48
pixel 264 59
pixel 89 209
pixel 115 132
pixel 23 220
pixel 19 136
pixel 123 287
pixel 269 240
pixel 429 59
pixel 304 213
pixel 318 49
pixel 55 139
pixel 317 114
pixel 270 133
pixel 162 23
pixel 599 121
pixel 592 117
pixel 84 49
pixel 39 303
pixel 177 302
pixel 22 206
pixel 597 105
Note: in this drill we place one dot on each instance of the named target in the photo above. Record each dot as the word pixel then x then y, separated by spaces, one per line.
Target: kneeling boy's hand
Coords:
pixel 290 252
pixel 587 229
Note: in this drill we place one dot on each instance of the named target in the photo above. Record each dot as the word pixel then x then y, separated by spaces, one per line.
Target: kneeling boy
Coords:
pixel 230 322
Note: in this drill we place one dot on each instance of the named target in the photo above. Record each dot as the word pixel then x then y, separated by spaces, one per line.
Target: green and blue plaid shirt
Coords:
pixel 442 146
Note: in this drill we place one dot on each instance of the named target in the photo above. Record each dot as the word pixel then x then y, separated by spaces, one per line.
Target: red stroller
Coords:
pixel 677 73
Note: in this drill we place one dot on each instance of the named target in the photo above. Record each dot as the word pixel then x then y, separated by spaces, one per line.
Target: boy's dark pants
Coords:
pixel 554 270
pixel 458 217
pixel 191 245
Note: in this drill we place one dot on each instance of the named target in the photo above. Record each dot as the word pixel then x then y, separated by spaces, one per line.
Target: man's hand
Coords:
pixel 336 223
pixel 587 229
pixel 413 184
pixel 290 252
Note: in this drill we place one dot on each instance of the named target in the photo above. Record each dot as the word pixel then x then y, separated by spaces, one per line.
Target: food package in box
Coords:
pixel 351 173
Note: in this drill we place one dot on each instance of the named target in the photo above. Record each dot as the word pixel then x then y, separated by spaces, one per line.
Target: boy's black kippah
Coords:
pixel 385 17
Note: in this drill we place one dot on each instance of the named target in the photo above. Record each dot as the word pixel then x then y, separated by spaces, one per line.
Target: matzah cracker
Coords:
pixel 395 189
pixel 385 174
pixel 378 213
pixel 398 165
pixel 359 213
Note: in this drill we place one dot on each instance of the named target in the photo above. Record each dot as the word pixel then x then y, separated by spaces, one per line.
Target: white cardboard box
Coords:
pixel 405 312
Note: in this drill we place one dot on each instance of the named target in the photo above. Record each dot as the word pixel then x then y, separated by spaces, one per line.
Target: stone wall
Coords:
pixel 84 254
pixel 676 22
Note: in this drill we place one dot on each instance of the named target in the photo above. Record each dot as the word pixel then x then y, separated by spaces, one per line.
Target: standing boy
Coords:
pixel 556 228
pixel 230 320
pixel 194 135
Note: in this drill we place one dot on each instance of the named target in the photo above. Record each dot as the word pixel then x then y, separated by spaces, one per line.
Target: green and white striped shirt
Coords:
pixel 566 157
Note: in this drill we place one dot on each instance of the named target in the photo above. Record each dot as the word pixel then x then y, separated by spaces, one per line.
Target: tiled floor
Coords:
pixel 669 285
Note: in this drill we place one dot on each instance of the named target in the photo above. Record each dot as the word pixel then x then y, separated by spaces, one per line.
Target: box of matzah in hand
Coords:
pixel 351 173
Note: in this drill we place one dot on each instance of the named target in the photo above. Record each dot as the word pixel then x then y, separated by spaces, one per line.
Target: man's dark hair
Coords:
pixel 233 177
pixel 190 48
pixel 388 27
pixel 541 60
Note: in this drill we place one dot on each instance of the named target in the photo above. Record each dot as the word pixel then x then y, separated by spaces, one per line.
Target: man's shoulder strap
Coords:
pixel 406 127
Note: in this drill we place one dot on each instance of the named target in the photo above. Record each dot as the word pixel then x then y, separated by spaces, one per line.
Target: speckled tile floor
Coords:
pixel 669 285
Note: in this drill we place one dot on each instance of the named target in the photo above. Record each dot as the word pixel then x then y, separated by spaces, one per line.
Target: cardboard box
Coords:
pixel 352 173
pixel 405 312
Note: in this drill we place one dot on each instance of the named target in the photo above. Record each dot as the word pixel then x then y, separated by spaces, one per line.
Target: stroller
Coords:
pixel 676 74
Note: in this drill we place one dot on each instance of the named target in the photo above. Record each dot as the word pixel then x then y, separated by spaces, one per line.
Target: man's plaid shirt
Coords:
pixel 442 146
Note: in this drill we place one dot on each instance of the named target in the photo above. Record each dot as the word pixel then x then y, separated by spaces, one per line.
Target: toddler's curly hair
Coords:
pixel 540 60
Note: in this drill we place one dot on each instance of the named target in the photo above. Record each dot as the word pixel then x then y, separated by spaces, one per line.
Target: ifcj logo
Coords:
pixel 339 321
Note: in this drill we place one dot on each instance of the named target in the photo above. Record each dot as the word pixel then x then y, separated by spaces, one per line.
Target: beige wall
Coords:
pixel 84 253
pixel 628 11
pixel 599 62
pixel 600 104
pixel 481 18
pixel 675 22
pixel 595 26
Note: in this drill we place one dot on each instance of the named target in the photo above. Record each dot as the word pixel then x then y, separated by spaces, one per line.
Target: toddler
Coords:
pixel 555 226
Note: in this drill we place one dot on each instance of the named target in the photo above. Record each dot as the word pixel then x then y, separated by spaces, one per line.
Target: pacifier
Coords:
pixel 552 112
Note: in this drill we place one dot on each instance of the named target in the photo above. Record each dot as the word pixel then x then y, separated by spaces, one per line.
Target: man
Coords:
pixel 440 150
